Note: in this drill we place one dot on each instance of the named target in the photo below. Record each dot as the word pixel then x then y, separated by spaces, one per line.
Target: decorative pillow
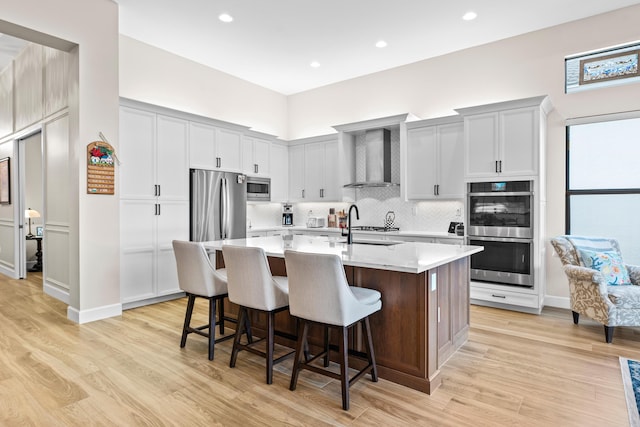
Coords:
pixel 608 263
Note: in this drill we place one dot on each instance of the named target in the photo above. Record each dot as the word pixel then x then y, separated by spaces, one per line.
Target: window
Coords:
pixel 603 182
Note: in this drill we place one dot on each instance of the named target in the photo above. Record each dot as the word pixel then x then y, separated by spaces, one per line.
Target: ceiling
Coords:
pixel 273 42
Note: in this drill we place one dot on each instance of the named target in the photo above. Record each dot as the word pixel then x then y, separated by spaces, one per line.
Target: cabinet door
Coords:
pixel 229 150
pixel 248 164
pixel 137 248
pixel 481 141
pixel 421 163
pixel 202 146
pixel 519 137
pixel 137 152
pixel 450 161
pixel 279 173
pixel 331 188
pixel 296 173
pixel 314 171
pixel 261 156
pixel 172 224
pixel 172 164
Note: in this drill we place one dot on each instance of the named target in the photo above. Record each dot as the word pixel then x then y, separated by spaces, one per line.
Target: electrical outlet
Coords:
pixel 458 212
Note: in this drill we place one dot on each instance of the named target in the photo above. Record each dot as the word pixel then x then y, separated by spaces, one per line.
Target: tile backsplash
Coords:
pixel 373 205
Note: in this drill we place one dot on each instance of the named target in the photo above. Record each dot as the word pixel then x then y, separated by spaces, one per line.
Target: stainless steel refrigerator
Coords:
pixel 218 205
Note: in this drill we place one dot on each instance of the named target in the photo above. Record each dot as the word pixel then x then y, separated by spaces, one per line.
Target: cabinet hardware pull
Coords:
pixel 322 192
pixel 496 166
pixel 255 168
pixel 498 296
pixel 435 191
pixel 303 194
pixel 158 208
pixel 218 162
pixel 500 163
pixel 159 190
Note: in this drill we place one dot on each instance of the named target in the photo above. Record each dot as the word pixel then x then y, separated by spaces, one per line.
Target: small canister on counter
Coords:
pixel 332 219
pixel 342 219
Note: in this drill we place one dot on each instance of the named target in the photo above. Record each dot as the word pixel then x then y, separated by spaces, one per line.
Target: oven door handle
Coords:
pixel 500 239
pixel 500 193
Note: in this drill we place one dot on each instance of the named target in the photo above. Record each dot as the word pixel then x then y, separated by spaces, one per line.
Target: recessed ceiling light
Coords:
pixel 381 44
pixel 315 64
pixel 225 17
pixel 470 16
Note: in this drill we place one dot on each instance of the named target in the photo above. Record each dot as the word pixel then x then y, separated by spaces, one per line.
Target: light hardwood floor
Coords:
pixel 516 369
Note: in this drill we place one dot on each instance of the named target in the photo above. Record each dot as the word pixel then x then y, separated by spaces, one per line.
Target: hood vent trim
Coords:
pixel 378 160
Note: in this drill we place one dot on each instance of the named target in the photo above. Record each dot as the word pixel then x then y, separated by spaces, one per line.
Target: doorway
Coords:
pixel 31 204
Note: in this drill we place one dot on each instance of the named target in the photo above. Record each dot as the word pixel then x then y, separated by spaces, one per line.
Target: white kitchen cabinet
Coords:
pixel 154 203
pixel 214 148
pixel 504 139
pixel 279 166
pixel 256 156
pixel 313 172
pixel 434 159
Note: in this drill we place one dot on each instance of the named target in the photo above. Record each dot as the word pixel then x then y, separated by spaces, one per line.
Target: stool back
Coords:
pixel 318 289
pixel 196 274
pixel 249 279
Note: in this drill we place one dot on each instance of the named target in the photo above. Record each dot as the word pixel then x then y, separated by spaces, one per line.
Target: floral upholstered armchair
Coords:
pixel 601 286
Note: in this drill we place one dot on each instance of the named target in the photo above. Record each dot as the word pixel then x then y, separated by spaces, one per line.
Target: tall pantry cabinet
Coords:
pixel 154 203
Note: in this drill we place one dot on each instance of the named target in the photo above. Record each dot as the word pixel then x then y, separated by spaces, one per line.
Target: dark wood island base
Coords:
pixel 423 321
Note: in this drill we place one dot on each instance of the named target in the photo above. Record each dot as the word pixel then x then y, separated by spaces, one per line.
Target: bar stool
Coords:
pixel 198 278
pixel 252 287
pixel 319 293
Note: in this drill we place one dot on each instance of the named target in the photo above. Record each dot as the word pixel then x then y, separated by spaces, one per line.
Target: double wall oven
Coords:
pixel 500 218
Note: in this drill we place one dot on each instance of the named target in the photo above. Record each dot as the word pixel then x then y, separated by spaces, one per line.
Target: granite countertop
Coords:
pixel 407 233
pixel 410 257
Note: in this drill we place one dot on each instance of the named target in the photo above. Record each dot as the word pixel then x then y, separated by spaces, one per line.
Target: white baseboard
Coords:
pixel 98 313
pixel 56 292
pixel 10 272
pixel 558 302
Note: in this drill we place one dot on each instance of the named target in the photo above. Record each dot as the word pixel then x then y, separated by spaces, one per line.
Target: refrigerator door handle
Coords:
pixel 221 212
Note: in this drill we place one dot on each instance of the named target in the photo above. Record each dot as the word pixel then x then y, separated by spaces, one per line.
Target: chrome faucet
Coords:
pixel 349 237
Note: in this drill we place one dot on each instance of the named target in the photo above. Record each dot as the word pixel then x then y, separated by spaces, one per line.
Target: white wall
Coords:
pixel 89 30
pixel 519 67
pixel 158 77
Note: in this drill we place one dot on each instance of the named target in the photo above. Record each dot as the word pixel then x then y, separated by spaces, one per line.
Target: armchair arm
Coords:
pixel 634 273
pixel 589 293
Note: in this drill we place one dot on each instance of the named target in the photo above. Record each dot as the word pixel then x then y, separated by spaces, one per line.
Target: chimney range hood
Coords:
pixel 378 160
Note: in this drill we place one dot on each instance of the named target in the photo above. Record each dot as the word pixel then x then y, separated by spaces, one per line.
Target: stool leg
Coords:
pixel 326 346
pixel 212 326
pixel 370 354
pixel 302 340
pixel 270 319
pixel 187 320
pixel 221 315
pixel 344 367
pixel 242 314
pixel 247 328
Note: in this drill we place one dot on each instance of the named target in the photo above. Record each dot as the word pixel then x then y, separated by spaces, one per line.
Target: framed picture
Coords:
pixel 614 66
pixel 38 231
pixel 5 183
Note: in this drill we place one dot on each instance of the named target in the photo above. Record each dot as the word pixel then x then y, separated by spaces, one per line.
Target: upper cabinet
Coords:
pixel 434 153
pixel 504 139
pixel 214 148
pixel 256 157
pixel 279 166
pixel 153 150
pixel 314 171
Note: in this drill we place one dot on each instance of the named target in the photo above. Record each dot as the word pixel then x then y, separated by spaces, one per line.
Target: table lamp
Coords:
pixel 30 213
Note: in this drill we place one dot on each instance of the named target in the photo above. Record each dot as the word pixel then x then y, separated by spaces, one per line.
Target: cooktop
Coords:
pixel 373 228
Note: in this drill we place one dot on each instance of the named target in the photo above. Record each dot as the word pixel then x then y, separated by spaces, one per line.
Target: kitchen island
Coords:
pixel 425 300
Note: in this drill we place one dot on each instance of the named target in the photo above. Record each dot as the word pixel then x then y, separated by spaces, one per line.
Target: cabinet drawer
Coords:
pixel 504 297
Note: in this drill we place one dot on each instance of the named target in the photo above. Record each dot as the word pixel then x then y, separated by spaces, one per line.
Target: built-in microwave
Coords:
pixel 258 189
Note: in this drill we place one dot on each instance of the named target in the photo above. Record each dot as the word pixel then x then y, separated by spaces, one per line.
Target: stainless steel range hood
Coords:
pixel 378 160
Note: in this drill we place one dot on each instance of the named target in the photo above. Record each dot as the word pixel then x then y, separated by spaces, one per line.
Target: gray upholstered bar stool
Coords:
pixel 319 293
pixel 198 278
pixel 252 287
